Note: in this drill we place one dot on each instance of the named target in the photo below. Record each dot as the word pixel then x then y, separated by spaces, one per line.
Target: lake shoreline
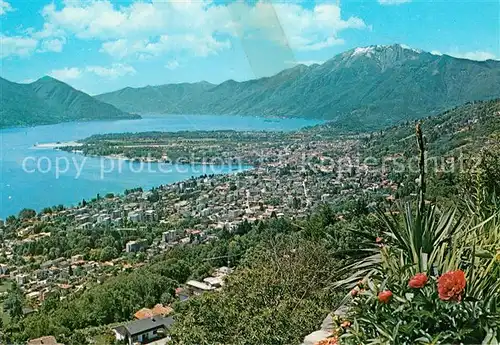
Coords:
pixel 56 145
pixel 21 189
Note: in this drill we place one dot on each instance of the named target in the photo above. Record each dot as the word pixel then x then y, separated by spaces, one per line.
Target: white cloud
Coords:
pixel 5 7
pixel 288 23
pixel 196 45
pixel 200 28
pixel 52 45
pixel 102 20
pixel 114 71
pixel 173 64
pixel 17 46
pixel 393 2
pixel 66 74
pixel 27 81
pixel 49 39
pixel 475 55
pixel 142 30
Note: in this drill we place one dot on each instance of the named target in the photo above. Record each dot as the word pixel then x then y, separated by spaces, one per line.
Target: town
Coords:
pixel 295 178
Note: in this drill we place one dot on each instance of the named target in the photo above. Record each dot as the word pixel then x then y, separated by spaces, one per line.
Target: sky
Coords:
pixel 99 46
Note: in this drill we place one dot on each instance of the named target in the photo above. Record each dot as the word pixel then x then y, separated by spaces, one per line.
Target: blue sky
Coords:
pixel 104 45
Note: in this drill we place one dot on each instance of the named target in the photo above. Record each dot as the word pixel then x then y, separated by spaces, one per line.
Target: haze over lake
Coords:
pixel 42 188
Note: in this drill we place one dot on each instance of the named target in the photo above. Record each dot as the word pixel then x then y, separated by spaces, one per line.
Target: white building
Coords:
pixel 199 287
pixel 135 217
pixel 215 282
pixel 22 279
pixel 150 215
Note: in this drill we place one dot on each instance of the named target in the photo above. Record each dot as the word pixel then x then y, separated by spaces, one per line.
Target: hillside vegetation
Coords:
pixel 47 101
pixel 460 130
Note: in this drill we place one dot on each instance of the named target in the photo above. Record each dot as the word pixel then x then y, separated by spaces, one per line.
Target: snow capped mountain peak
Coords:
pixel 371 50
pixel 363 51
pixel 383 56
pixel 404 46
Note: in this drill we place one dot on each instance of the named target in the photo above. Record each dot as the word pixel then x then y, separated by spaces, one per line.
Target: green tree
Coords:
pixel 108 253
pixel 26 213
pixel 276 298
pixel 14 302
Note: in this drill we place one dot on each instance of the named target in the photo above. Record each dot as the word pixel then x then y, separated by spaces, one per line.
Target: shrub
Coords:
pixel 434 279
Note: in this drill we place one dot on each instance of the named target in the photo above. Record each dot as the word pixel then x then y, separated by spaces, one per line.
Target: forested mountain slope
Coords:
pixel 48 100
pixel 363 88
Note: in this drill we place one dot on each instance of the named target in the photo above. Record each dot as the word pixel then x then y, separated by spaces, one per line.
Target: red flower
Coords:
pixel 379 240
pixel 385 296
pixel 451 285
pixel 418 281
pixel 361 283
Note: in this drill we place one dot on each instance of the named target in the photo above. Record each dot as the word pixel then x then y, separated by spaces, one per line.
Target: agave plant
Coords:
pixel 416 243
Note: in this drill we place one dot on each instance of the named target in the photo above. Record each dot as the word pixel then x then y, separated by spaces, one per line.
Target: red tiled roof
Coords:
pixel 158 309
pixel 48 340
pixel 144 313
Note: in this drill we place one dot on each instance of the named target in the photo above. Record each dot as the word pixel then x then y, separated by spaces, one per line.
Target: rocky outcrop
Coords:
pixel 325 331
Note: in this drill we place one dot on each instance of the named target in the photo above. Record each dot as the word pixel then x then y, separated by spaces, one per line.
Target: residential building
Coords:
pixel 215 282
pixel 4 269
pixel 135 217
pixel 86 226
pixel 143 331
pixel 135 246
pixel 150 216
pixel 198 287
pixel 170 236
pixel 22 279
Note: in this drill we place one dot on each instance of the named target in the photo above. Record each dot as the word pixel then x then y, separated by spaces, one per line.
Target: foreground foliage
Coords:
pixel 276 297
pixel 432 276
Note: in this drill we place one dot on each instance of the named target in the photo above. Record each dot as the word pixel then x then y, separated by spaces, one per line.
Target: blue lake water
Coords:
pixel 29 177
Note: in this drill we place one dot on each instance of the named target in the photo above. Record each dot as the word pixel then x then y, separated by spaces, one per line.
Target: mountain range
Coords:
pixel 363 88
pixel 47 101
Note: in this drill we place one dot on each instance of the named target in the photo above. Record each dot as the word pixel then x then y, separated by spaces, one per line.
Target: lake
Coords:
pixel 37 178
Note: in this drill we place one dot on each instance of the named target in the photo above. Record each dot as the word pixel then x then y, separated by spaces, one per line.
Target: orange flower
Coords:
pixel 345 324
pixel 385 296
pixel 451 285
pixel 418 281
pixel 329 341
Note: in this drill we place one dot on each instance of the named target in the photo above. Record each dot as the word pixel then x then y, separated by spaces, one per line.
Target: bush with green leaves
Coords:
pixel 389 308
